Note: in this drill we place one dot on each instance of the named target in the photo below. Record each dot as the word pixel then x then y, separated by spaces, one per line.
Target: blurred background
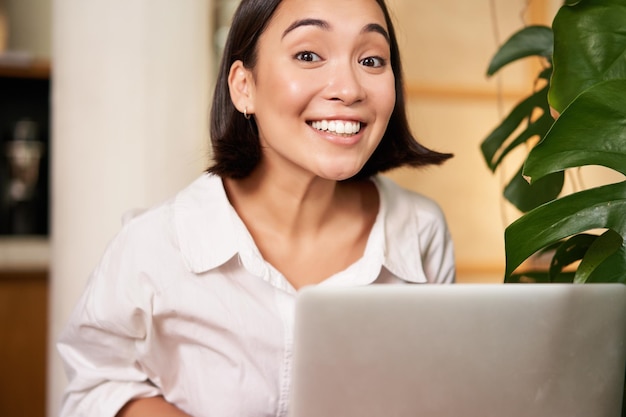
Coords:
pixel 103 109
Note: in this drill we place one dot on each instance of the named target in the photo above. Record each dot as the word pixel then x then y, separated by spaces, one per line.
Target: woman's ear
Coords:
pixel 241 87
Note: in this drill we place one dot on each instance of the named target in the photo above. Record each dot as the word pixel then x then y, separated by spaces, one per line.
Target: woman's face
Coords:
pixel 322 90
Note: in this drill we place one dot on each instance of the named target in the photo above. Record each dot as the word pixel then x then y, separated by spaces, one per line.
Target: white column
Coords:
pixel 130 127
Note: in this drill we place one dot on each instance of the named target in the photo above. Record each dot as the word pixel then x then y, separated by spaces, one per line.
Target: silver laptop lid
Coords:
pixel 481 350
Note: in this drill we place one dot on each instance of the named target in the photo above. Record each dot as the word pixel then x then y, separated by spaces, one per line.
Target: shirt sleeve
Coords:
pixel 438 255
pixel 98 345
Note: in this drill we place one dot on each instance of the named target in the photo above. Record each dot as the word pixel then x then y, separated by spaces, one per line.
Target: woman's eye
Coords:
pixel 308 56
pixel 373 61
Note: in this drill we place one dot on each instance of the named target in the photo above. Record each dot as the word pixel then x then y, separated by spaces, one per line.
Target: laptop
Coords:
pixel 471 350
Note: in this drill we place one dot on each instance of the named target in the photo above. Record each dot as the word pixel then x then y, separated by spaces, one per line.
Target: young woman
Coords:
pixel 190 310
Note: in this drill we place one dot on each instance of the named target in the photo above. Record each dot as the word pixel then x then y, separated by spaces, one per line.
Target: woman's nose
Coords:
pixel 345 84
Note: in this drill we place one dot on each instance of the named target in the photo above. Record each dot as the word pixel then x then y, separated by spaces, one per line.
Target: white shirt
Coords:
pixel 183 305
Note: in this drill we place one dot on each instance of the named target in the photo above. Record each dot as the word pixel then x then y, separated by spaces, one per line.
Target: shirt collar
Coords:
pixel 203 224
pixel 209 236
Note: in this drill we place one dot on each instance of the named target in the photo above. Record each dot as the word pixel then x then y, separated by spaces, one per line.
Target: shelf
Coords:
pixel 24 253
pixel 24 68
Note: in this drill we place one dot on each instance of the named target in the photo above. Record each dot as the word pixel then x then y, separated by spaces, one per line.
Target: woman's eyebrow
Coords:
pixel 322 24
pixel 376 28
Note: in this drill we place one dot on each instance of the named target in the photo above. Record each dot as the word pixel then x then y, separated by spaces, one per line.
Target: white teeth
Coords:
pixel 337 126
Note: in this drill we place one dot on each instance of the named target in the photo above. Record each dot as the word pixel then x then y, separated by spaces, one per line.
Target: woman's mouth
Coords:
pixel 339 127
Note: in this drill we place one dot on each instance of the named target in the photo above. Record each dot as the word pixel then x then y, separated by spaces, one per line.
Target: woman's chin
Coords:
pixel 339 174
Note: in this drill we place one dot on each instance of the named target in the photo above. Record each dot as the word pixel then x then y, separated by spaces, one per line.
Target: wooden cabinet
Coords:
pixel 23 343
pixel 24 93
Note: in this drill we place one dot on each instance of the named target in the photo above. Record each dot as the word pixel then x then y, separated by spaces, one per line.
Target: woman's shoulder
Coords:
pixel 195 226
pixel 400 199
pixel 159 238
pixel 197 197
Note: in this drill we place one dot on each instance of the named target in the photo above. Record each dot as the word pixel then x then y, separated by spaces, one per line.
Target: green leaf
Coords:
pixel 601 249
pixel 602 207
pixel 527 196
pixel 530 41
pixel 591 131
pixel 570 251
pixel 612 269
pixel 589 47
pixel 522 111
pixel 538 127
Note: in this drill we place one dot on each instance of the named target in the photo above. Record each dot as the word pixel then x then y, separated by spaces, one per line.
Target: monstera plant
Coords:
pixel 578 112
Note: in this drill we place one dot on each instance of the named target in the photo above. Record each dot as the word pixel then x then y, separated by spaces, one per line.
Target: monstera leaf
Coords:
pixel 530 41
pixel 589 47
pixel 588 88
pixel 602 207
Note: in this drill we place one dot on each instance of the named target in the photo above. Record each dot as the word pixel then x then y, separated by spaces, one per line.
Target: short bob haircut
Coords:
pixel 236 146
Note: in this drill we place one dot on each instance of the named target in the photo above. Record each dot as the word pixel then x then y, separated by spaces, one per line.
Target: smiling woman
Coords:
pixel 310 70
pixel 308 109
pixel 236 140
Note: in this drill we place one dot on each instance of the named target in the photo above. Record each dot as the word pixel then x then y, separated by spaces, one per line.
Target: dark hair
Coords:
pixel 236 147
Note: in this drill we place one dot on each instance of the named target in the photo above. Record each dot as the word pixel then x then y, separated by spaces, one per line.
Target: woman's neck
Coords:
pixel 308 228
pixel 288 204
